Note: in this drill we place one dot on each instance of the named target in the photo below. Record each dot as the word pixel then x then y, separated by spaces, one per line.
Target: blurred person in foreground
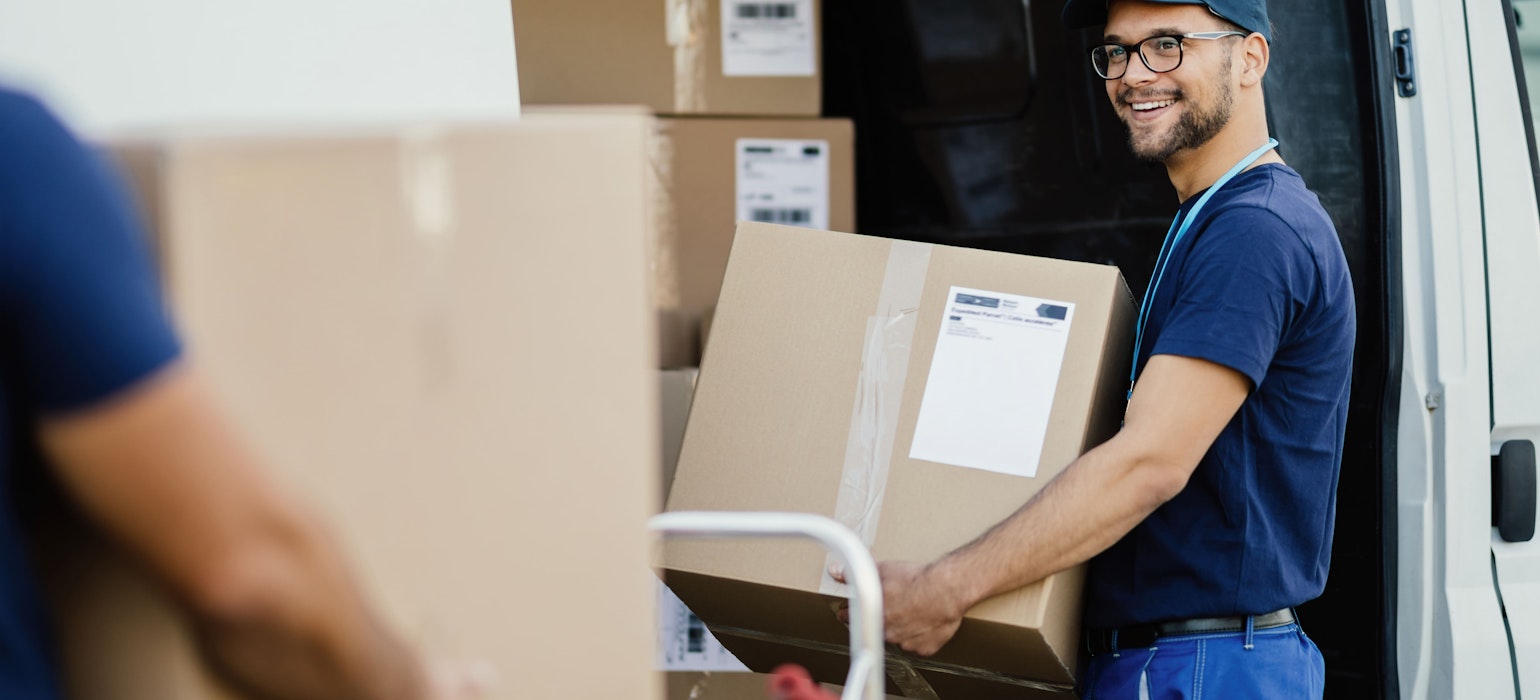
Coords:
pixel 93 382
pixel 1209 516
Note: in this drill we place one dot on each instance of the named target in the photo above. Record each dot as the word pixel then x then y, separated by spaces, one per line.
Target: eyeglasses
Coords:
pixel 1161 54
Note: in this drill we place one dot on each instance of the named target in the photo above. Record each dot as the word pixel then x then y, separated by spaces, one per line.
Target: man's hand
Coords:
pixel 922 607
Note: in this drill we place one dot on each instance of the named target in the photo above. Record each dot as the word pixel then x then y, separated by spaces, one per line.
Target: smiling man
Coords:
pixel 1210 514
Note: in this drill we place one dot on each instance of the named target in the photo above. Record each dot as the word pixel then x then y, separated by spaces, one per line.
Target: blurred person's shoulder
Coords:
pixel 24 117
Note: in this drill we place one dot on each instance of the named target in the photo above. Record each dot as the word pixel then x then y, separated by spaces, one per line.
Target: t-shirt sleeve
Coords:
pixel 77 291
pixel 1237 292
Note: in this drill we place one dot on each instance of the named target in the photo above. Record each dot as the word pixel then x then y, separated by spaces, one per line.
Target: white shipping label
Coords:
pixel 783 181
pixel 768 38
pixel 992 380
pixel 684 643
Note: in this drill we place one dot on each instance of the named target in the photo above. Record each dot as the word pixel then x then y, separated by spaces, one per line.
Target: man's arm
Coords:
pixel 1179 407
pixel 163 471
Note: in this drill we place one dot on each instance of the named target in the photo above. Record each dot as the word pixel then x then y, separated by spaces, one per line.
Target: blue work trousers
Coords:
pixel 1281 662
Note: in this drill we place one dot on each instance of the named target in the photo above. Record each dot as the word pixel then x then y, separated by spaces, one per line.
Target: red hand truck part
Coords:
pixel 792 682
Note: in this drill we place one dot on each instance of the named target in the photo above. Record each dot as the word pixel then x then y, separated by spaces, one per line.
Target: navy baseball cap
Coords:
pixel 1250 15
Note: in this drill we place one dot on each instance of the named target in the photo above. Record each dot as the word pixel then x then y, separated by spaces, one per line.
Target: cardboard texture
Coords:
pixel 676 387
pixel 391 319
pixel 720 685
pixel 664 54
pixel 715 685
pixel 692 181
pixel 783 397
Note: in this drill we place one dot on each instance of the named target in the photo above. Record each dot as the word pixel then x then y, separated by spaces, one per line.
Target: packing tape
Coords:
pixel 687 34
pixel 909 681
pixel 427 186
pixel 663 216
pixel 427 183
pixel 879 394
pixel 906 665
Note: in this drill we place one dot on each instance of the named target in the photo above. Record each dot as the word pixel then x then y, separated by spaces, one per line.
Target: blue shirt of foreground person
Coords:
pixel 92 378
pixel 1210 514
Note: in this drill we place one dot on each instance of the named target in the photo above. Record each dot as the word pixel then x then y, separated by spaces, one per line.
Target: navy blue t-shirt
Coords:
pixel 1258 284
pixel 81 319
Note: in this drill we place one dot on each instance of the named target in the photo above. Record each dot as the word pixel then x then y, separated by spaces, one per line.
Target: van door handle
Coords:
pixel 1513 491
pixel 1403 64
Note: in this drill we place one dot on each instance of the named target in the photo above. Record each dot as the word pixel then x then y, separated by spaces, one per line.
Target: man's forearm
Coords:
pixel 1180 405
pixel 1093 503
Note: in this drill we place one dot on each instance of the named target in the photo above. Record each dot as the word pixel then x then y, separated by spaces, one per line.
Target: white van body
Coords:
pixel 1467 601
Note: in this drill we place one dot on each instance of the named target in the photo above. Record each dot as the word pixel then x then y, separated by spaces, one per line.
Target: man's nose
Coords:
pixel 1137 72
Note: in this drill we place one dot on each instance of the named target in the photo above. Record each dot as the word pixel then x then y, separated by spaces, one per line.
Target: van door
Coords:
pixel 1451 640
pixel 1506 74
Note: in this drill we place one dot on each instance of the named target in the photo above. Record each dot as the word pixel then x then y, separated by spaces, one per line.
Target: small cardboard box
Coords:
pixel 917 393
pixel 700 57
pixel 415 331
pixel 714 173
pixel 705 175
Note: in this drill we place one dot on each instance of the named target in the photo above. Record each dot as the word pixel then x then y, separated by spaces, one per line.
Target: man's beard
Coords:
pixel 1195 127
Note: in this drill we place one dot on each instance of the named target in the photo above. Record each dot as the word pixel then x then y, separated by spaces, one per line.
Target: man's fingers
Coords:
pixel 837 572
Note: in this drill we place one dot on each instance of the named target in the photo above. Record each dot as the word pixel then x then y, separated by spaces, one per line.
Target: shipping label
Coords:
pixel 990 390
pixel 768 38
pixel 684 643
pixel 783 181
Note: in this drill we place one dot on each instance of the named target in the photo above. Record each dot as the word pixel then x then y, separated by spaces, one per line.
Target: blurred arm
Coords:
pixel 277 611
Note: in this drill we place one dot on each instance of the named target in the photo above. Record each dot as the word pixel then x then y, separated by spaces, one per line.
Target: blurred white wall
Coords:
pixel 111 65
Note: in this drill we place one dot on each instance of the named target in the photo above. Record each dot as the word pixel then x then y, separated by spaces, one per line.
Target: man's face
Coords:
pixel 1182 109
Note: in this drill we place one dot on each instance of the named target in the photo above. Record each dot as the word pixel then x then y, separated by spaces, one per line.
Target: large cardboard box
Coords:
pixel 703 176
pixel 415 329
pixel 711 57
pixel 917 393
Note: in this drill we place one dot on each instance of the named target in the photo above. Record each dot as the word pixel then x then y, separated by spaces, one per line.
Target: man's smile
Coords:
pixel 1145 109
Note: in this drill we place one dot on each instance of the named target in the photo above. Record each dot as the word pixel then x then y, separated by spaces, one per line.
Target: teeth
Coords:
pixel 1145 106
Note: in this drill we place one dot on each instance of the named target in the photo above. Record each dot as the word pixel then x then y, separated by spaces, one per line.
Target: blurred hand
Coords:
pixel 921 610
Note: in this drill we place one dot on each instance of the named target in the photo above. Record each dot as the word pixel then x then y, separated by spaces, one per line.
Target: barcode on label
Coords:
pixel 767 10
pixel 695 634
pixel 795 217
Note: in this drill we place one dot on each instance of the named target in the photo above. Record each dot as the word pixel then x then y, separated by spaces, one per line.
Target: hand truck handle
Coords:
pixel 865 681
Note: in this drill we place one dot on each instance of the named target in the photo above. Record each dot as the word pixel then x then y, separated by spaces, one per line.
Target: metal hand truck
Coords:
pixel 866 678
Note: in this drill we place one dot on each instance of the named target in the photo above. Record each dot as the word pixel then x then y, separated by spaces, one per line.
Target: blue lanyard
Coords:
pixel 1179 227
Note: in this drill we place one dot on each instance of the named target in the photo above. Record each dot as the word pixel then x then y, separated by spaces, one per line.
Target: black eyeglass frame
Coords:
pixel 1138 48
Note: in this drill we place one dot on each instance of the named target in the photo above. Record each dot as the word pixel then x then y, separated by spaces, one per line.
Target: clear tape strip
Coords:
pixel 879 394
pixel 664 217
pixel 427 185
pixel 909 681
pixel 686 33
pixel 914 664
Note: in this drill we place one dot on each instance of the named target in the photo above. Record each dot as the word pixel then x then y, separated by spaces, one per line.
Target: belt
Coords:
pixel 1100 641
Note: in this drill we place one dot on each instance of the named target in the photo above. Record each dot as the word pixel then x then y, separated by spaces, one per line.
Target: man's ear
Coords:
pixel 1254 54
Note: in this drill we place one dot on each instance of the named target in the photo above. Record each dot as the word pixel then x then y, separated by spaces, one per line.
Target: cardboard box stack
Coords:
pixel 917 393
pixel 425 332
pixel 736 88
